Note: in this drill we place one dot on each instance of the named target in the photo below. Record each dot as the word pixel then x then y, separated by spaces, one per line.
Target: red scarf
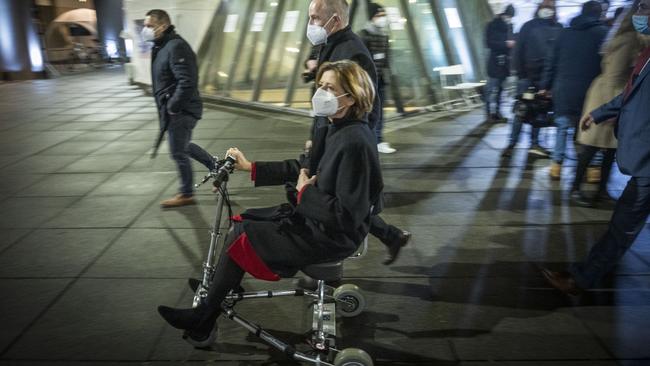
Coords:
pixel 640 64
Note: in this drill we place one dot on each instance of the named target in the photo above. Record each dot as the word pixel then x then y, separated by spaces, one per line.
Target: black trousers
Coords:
pixel 585 154
pixel 629 217
pixel 383 231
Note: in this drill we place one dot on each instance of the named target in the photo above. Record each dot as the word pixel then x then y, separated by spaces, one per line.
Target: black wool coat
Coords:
pixel 175 76
pixel 574 64
pixel 332 217
pixel 534 47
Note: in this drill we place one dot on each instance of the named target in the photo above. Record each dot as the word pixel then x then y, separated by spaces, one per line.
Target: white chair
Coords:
pixel 453 78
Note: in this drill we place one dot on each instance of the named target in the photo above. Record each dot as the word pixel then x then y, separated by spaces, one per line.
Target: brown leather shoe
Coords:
pixel 593 174
pixel 178 201
pixel 562 281
pixel 556 171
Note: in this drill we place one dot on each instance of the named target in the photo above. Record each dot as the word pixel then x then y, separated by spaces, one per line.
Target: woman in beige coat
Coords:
pixel 620 53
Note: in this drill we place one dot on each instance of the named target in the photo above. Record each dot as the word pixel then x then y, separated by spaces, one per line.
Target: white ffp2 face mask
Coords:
pixel 546 13
pixel 316 33
pixel 381 22
pixel 324 103
pixel 148 34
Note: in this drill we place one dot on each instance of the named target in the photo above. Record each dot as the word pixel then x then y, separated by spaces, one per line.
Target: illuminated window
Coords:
pixel 452 18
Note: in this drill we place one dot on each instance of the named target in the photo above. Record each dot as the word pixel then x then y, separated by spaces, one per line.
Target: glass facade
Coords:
pixel 254 50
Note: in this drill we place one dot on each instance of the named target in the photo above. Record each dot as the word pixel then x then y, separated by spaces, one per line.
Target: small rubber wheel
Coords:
pixel 350 301
pixel 353 357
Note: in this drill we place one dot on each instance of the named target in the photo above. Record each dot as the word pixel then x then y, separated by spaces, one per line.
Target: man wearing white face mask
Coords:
pixel 375 37
pixel 328 27
pixel 534 47
pixel 174 80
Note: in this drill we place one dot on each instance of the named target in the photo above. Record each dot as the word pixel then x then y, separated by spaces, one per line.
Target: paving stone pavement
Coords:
pixel 86 254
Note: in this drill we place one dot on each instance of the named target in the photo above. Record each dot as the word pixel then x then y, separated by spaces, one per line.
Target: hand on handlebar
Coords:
pixel 241 163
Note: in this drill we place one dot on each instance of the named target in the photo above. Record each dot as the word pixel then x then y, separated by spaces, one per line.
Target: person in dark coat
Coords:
pixel 574 64
pixel 328 218
pixel 632 113
pixel 499 40
pixel 375 37
pixel 534 45
pixel 328 27
pixel 174 81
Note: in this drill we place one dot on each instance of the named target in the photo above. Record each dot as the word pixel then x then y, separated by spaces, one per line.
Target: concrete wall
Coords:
pixel 21 55
pixel 110 22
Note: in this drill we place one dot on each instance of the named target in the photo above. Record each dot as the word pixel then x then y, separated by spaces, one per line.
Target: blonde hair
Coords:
pixel 354 81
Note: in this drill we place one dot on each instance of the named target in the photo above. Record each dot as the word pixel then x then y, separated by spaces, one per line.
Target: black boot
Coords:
pixel 181 318
pixel 395 245
pixel 194 283
pixel 580 199
pixel 200 329
pixel 604 197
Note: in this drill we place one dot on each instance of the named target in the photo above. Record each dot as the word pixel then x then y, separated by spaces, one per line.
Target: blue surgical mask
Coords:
pixel 641 24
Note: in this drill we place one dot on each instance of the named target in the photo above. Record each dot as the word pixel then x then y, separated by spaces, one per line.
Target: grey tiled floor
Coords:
pixel 86 254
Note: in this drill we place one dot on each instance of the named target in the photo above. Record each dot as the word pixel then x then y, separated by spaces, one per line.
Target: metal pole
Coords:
pixel 451 56
pixel 415 47
pixel 248 75
pixel 295 75
pixel 471 44
pixel 209 53
pixel 232 70
pixel 354 5
pixel 257 87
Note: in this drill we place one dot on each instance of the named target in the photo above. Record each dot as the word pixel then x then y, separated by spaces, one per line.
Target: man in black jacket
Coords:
pixel 534 47
pixel 174 80
pixel 328 26
pixel 499 39
pixel 574 64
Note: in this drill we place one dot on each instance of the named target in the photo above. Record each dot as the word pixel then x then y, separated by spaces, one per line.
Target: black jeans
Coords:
pixel 179 131
pixel 388 234
pixel 627 221
pixel 199 154
pixel 585 154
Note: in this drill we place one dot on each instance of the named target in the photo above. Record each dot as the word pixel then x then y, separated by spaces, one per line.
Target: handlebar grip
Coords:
pixel 224 171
